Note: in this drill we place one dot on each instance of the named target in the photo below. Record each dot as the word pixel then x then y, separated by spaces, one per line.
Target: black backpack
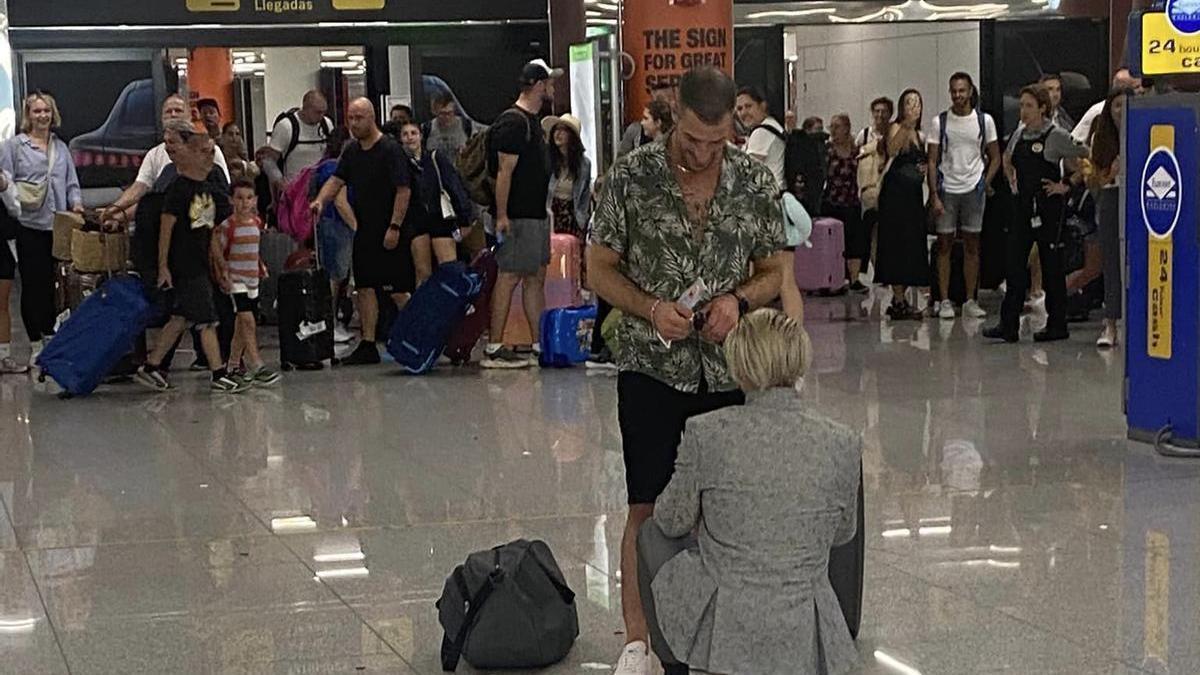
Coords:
pixel 294 120
pixel 509 607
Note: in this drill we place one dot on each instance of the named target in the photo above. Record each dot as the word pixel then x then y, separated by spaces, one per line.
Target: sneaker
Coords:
pixel 263 377
pixel 946 310
pixel 972 310
pixel 998 332
pixel 341 336
pixel 151 378
pixel 601 361
pixel 535 356
pixel 9 366
pixel 365 354
pixel 504 358
pixel 229 384
pixel 635 660
pixel 1107 339
pixel 200 365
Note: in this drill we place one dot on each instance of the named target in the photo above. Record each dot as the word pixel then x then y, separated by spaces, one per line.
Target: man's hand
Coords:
pixel 504 226
pixel 722 317
pixel 1053 187
pixel 392 238
pixel 936 207
pixel 315 209
pixel 164 278
pixel 78 208
pixel 225 284
pixel 672 320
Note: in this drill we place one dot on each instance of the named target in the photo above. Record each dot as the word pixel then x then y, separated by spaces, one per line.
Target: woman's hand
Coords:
pixel 78 208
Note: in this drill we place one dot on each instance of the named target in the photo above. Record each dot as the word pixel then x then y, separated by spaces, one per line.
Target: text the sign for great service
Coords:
pixel 667 38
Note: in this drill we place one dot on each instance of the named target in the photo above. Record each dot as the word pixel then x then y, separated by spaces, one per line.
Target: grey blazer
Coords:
pixel 772 486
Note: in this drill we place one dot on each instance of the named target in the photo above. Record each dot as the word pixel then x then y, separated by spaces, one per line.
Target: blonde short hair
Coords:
pixel 27 116
pixel 767 349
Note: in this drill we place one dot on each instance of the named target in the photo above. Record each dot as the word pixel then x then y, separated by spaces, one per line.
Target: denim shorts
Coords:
pixel 337 248
pixel 963 213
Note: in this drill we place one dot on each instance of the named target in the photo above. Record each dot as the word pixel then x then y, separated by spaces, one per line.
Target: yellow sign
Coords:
pixel 359 4
pixel 214 5
pixel 1166 50
pixel 1160 269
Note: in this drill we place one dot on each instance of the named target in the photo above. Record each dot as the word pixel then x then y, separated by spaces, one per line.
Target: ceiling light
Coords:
pixel 894 664
pixel 245 55
pixel 349 556
pixel 18 625
pixel 345 65
pixel 293 523
pixel 787 13
pixel 343 573
pixel 334 53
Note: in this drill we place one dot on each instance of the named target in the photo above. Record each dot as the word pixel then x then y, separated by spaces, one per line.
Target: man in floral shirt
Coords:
pixel 689 216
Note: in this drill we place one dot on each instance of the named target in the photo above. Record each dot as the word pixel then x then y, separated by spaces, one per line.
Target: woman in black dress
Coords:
pixel 902 256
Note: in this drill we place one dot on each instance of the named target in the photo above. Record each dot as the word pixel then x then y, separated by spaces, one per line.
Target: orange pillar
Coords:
pixel 666 38
pixel 210 75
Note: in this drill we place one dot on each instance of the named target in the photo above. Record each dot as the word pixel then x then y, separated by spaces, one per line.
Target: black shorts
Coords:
pixel 192 299
pixel 242 302
pixel 436 228
pixel 652 416
pixel 8 264
pixel 376 267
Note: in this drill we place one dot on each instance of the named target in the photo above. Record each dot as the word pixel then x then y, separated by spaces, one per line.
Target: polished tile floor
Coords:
pixel 309 529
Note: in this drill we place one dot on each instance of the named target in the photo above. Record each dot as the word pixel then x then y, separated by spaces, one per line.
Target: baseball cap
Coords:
pixel 537 70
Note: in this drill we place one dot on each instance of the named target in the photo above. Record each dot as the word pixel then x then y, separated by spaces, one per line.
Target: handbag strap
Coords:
pixel 452 649
pixel 438 171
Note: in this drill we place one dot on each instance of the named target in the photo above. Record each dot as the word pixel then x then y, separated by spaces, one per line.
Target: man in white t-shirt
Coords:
pixel 298 140
pixel 767 142
pixel 964 157
pixel 174 107
pixel 1122 79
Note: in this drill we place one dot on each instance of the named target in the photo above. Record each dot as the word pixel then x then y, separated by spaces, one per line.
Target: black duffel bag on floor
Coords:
pixel 509 607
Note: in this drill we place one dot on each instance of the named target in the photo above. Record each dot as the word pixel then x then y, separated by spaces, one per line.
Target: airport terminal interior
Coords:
pixel 1029 503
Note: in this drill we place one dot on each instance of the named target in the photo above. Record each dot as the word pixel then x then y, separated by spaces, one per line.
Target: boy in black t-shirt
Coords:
pixel 191 209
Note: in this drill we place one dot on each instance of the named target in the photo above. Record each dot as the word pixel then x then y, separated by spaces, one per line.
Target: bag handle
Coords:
pixel 452 649
pixel 564 591
pixel 438 170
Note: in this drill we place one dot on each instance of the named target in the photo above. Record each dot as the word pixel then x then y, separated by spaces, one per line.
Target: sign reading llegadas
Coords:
pixel 667 38
pixel 58 13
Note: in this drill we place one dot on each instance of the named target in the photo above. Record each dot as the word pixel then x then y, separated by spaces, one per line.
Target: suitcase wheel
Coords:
pixel 65 396
pixel 41 378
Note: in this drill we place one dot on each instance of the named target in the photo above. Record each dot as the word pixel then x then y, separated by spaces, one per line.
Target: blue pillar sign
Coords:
pixel 1162 360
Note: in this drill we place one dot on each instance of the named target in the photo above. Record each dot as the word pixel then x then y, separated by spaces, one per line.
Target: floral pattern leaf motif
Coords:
pixel 641 217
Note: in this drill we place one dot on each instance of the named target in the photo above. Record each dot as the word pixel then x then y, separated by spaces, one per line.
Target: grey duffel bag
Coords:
pixel 509 607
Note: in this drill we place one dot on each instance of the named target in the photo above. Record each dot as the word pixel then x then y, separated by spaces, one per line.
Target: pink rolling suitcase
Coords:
pixel 563 287
pixel 822 267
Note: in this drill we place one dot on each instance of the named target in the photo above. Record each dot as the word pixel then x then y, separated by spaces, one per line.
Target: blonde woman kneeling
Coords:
pixel 768 488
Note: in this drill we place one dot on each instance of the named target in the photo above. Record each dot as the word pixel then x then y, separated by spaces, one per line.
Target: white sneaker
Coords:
pixel 1107 340
pixel 341 335
pixel 946 310
pixel 9 366
pixel 635 660
pixel 972 310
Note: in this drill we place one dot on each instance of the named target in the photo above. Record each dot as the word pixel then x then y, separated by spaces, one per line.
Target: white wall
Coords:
pixel 842 68
pixel 291 73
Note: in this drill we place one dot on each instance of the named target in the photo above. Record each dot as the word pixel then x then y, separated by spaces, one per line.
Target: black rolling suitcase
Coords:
pixel 846 570
pixel 305 320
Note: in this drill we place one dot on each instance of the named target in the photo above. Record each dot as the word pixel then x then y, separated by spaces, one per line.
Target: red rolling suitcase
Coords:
pixel 479 314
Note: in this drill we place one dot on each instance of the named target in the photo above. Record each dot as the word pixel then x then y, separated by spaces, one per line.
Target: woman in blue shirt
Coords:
pixel 40 165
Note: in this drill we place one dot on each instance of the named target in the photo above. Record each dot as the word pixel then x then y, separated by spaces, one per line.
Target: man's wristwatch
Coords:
pixel 743 304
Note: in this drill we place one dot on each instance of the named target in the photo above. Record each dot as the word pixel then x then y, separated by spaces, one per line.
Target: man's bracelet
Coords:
pixel 657 302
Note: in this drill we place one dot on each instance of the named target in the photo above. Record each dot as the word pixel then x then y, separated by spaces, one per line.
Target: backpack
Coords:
pixel 475 164
pixel 943 140
pixel 291 210
pixel 294 120
pixel 807 155
pixel 509 607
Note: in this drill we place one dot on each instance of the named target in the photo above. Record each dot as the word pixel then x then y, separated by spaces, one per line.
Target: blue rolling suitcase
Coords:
pixel 421 330
pixel 567 336
pixel 97 335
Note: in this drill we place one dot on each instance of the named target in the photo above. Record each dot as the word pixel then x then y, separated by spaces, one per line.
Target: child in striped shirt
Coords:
pixel 237 268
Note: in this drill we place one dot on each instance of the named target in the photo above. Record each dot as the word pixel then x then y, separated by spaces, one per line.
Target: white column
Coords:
pixel 291 72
